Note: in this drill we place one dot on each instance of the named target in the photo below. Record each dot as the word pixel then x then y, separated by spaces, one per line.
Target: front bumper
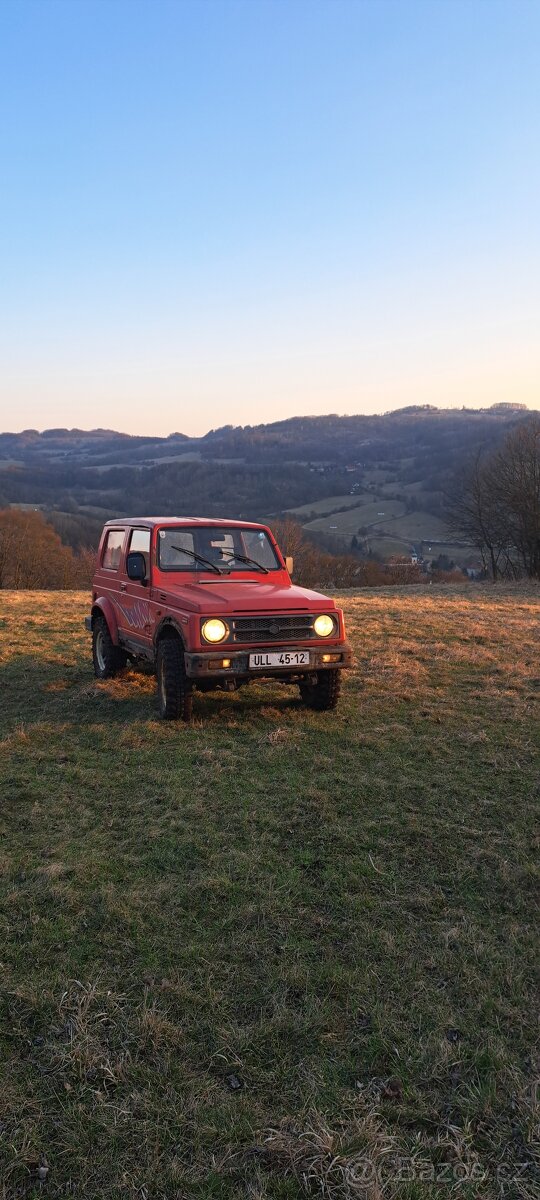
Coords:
pixel 204 663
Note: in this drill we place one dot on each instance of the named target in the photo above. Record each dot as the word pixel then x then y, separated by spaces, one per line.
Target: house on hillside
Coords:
pixel 417 559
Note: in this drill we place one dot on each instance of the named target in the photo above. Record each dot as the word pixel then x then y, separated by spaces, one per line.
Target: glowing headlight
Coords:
pixel 324 625
pixel 214 630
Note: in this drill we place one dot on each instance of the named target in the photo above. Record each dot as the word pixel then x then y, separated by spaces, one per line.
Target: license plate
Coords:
pixel 282 658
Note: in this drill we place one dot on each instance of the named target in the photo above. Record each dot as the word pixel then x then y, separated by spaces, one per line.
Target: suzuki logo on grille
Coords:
pixel 273 628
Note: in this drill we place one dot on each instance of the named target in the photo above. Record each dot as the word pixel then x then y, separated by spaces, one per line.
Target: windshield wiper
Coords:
pixel 245 559
pixel 198 558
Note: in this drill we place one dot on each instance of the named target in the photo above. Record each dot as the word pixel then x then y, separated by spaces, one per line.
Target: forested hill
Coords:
pixel 417 431
pixel 399 462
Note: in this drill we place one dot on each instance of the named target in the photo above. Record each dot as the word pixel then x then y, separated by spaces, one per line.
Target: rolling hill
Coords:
pixel 378 479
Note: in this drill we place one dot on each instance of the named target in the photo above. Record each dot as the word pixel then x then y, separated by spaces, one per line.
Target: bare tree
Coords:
pixel 514 480
pixel 469 514
pixel 496 504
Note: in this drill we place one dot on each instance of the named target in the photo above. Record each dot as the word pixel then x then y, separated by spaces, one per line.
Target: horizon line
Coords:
pixel 501 406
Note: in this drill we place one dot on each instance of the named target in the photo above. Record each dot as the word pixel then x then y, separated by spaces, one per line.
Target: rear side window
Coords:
pixel 113 549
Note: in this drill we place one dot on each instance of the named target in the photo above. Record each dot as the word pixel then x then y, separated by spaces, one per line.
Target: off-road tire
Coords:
pixel 175 690
pixel 108 659
pixel 323 694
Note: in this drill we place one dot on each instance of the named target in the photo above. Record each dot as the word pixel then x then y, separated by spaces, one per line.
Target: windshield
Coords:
pixel 205 548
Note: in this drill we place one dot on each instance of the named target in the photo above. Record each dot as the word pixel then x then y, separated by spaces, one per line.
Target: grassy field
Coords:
pixel 370 513
pixel 275 954
pixel 328 505
pixel 381 511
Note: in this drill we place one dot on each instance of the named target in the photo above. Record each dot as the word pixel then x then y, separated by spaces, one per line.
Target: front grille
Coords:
pixel 273 629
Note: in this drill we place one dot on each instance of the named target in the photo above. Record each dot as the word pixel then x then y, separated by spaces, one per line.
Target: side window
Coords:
pixel 140 540
pixel 113 549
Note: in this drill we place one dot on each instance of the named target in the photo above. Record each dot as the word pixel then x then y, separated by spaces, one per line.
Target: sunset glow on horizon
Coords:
pixel 238 211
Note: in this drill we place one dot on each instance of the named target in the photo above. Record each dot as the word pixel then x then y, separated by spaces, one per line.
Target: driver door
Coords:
pixel 133 603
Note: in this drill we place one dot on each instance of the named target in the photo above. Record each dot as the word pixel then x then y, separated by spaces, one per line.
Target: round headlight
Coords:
pixel 324 625
pixel 214 630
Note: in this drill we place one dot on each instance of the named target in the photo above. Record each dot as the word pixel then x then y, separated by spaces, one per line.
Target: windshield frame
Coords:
pixel 223 568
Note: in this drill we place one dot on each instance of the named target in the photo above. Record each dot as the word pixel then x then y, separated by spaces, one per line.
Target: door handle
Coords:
pixel 123 587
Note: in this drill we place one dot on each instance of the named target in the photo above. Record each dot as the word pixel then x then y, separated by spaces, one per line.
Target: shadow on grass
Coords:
pixel 37 692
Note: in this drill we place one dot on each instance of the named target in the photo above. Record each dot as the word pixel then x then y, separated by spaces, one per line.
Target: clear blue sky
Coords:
pixel 239 210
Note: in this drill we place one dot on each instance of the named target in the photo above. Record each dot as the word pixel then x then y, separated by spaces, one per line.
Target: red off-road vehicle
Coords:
pixel 210 604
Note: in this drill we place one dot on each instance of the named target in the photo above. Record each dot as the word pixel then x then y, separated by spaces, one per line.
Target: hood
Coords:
pixel 236 597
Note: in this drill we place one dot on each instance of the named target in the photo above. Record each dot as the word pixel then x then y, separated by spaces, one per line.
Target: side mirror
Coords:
pixel 289 563
pixel 136 566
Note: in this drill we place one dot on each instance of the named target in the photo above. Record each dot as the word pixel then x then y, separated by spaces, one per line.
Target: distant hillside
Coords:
pixel 376 479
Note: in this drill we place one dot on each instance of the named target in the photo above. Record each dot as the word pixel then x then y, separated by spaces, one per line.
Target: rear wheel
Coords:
pixel 175 691
pixel 323 694
pixel 108 658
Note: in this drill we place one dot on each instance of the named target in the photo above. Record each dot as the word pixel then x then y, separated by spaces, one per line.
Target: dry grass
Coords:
pixel 275 954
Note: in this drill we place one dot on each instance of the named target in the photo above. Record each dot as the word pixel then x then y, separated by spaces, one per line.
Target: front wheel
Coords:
pixel 175 692
pixel 108 658
pixel 323 694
